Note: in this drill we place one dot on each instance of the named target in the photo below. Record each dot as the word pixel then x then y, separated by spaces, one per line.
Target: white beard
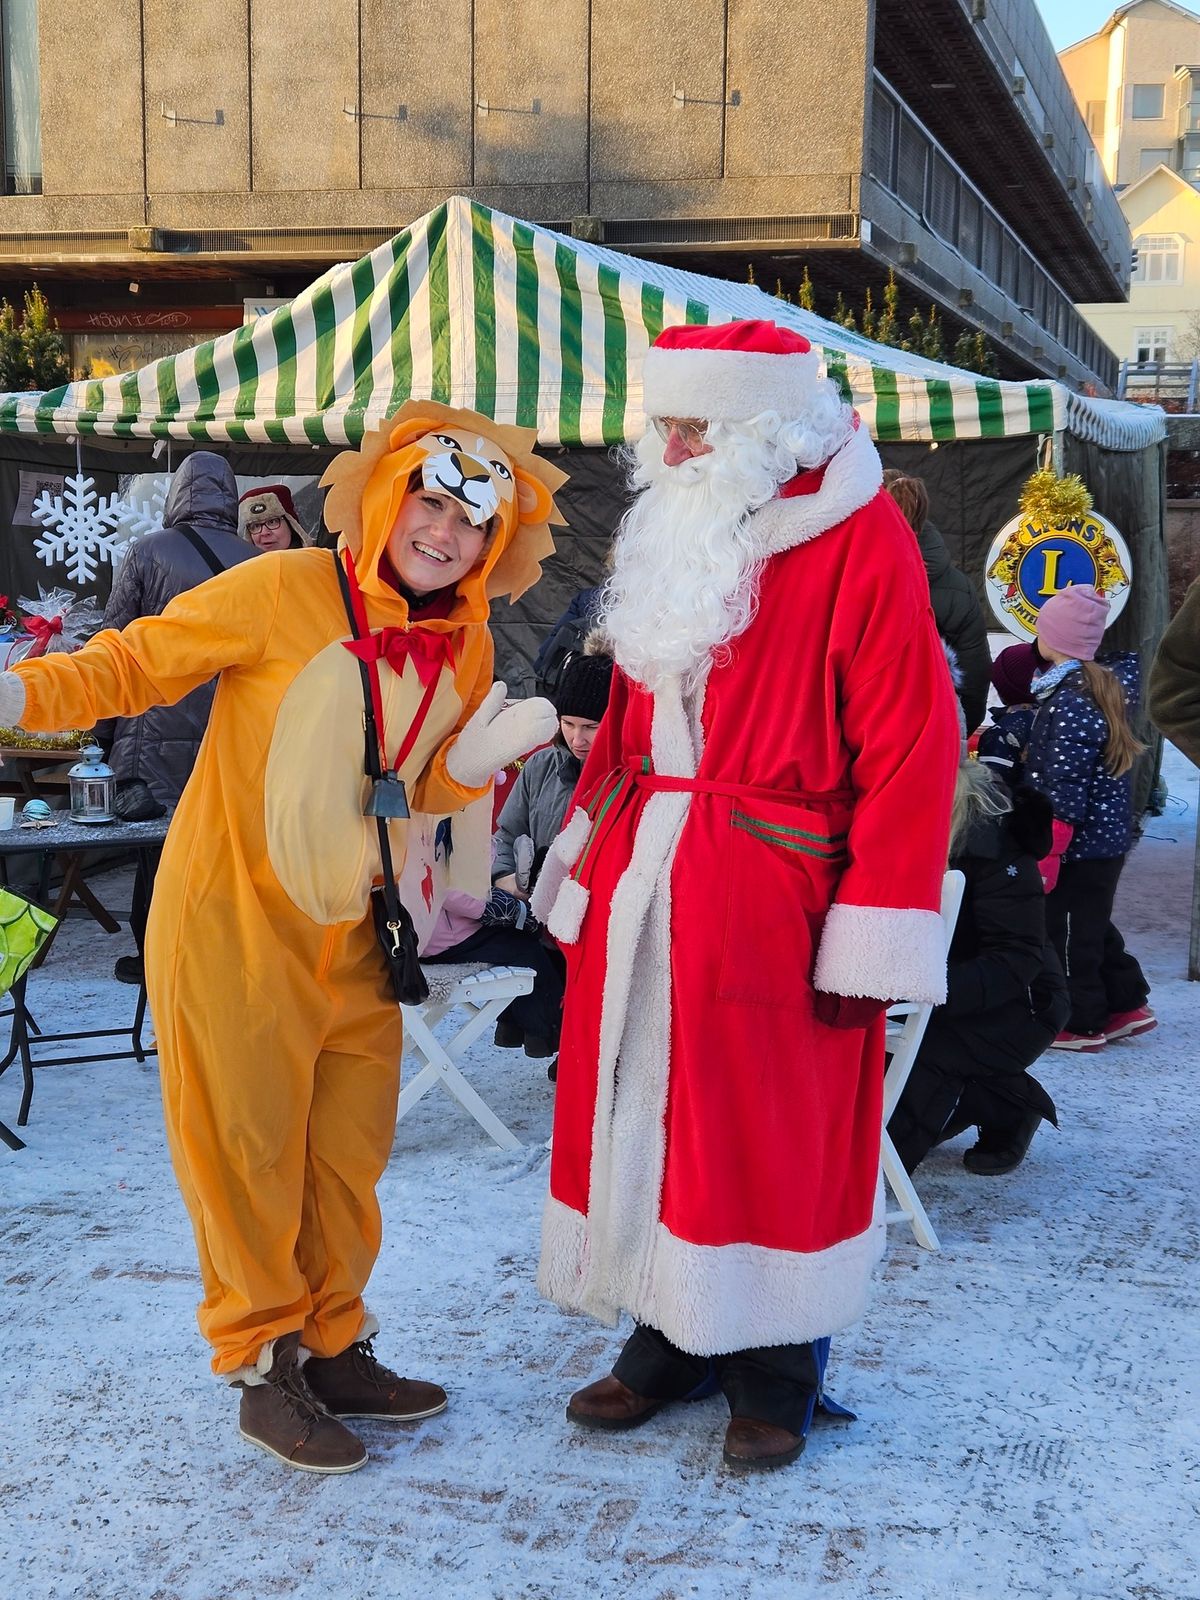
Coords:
pixel 684 568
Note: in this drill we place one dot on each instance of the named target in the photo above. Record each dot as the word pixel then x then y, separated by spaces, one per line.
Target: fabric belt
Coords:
pixel 618 793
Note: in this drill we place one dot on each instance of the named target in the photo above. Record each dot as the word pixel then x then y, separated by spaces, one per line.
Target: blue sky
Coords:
pixel 1068 21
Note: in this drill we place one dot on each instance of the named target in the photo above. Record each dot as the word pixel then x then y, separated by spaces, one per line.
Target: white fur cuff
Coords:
pixel 566 919
pixel 883 954
pixel 560 858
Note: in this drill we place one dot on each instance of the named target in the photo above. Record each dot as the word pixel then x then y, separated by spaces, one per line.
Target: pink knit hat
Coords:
pixel 1073 621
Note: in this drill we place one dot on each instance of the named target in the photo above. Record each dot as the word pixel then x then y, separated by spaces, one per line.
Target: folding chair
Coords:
pixel 483 992
pixel 906 1024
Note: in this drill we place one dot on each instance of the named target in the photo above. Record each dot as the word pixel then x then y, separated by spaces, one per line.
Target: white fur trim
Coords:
pixel 253 1376
pixel 713 1299
pixel 569 909
pixel 560 858
pixel 880 953
pixel 370 1327
pixel 727 385
pixel 853 477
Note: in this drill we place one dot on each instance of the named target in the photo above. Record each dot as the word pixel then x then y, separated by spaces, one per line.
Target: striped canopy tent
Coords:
pixel 477 309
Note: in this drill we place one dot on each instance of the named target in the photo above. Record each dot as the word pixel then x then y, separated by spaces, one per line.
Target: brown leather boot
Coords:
pixel 609 1403
pixel 355 1384
pixel 283 1417
pixel 759 1446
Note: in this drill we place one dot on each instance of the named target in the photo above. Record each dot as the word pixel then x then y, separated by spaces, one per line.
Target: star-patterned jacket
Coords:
pixel 1066 759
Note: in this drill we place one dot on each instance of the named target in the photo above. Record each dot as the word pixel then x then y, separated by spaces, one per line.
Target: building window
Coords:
pixel 1160 258
pixel 1095 118
pixel 1151 345
pixel 1149 159
pixel 22 92
pixel 1147 101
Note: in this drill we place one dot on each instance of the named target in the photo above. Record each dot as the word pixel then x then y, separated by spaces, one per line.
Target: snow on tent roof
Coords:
pixel 477 309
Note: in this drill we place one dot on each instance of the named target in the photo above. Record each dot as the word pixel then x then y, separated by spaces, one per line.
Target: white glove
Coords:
pixel 12 699
pixel 494 737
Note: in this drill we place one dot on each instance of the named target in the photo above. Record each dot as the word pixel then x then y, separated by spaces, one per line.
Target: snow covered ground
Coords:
pixel 1027 1398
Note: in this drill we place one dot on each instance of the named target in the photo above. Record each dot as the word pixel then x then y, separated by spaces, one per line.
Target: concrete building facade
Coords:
pixel 227 150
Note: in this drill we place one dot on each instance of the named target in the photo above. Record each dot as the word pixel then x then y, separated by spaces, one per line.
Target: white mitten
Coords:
pixel 494 737
pixel 12 699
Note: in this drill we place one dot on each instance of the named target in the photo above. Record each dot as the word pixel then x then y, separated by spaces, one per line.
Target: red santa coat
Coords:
pixel 715 1167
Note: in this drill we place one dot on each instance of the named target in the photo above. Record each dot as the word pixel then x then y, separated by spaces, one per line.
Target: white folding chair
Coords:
pixel 906 1024
pixel 482 992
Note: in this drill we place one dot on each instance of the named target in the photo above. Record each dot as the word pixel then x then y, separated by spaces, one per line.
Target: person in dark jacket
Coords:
pixel 566 638
pixel 956 608
pixel 1006 996
pixel 156 751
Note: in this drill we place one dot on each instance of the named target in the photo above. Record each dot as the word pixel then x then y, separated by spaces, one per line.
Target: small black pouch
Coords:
pixel 398 941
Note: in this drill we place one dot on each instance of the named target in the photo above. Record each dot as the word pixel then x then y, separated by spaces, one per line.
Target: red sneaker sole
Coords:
pixel 1132 1029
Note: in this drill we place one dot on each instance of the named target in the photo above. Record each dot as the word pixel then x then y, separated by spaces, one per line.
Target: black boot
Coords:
pixel 1002 1150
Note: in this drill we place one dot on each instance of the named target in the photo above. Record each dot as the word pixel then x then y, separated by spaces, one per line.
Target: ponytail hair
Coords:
pixel 1105 689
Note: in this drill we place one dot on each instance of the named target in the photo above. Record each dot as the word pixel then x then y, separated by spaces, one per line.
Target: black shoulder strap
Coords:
pixel 371 763
pixel 202 550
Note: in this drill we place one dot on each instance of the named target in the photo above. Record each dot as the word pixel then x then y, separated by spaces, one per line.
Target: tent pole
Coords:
pixel 1194 947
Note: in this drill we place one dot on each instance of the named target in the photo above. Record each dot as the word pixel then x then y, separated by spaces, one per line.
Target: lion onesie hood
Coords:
pixel 279 1041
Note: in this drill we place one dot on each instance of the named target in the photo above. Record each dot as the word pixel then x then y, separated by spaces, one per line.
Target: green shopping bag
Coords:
pixel 24 929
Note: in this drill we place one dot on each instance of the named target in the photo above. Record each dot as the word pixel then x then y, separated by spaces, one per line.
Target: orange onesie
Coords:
pixel 279 1039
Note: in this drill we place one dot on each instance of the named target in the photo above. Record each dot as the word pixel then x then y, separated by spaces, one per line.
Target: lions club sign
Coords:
pixel 1028 562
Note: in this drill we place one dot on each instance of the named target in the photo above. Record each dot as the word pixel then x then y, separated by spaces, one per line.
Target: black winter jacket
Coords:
pixel 959 618
pixel 1001 962
pixel 161 745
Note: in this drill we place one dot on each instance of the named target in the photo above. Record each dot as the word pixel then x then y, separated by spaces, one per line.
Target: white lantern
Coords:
pixel 92 784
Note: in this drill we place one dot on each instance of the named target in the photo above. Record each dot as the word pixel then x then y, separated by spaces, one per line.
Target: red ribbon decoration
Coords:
pixel 43 630
pixel 428 652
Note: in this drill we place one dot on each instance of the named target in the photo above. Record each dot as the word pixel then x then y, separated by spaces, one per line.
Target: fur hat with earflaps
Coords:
pixel 271 500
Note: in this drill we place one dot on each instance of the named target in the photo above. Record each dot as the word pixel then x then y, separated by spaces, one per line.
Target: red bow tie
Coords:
pixel 427 651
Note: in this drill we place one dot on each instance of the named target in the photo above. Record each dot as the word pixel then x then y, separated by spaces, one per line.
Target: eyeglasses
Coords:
pixel 690 430
pixel 270 523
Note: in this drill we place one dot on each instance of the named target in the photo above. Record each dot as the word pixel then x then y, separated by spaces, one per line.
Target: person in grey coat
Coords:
pixel 198 539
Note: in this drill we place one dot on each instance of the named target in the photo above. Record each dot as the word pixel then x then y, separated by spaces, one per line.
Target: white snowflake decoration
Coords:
pixel 83 527
pixel 140 516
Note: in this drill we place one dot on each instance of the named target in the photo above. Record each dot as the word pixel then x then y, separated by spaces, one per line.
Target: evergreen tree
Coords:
pixel 12 373
pixel 964 352
pixel 985 356
pixel 806 299
pixel 839 310
pixel 750 278
pixel 781 293
pixel 870 317
pixel 888 328
pixel 43 348
pixel 914 339
pixel 933 346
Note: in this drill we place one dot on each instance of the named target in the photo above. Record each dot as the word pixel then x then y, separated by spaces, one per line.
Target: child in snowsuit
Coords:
pixel 1081 749
pixel 1003 743
pixel 1006 999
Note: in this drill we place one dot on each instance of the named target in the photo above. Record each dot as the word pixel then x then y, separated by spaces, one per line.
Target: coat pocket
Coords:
pixel 783 865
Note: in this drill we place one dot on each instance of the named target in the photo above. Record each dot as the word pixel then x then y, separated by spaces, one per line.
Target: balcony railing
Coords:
pixel 1174 385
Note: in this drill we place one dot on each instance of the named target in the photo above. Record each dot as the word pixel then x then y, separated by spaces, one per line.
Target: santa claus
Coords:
pixel 752 872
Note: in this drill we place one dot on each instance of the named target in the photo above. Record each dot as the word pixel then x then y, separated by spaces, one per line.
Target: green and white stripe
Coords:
pixel 477 309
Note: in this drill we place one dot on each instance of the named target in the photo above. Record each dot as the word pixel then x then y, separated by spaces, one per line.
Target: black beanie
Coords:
pixel 583 687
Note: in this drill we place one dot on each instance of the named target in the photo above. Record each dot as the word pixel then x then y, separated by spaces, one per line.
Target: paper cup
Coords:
pixel 7 806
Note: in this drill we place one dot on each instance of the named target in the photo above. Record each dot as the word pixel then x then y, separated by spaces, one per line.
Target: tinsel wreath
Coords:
pixel 1049 501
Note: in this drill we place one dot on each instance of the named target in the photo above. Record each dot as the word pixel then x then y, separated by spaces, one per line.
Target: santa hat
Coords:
pixel 272 500
pixel 1073 621
pixel 729 373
